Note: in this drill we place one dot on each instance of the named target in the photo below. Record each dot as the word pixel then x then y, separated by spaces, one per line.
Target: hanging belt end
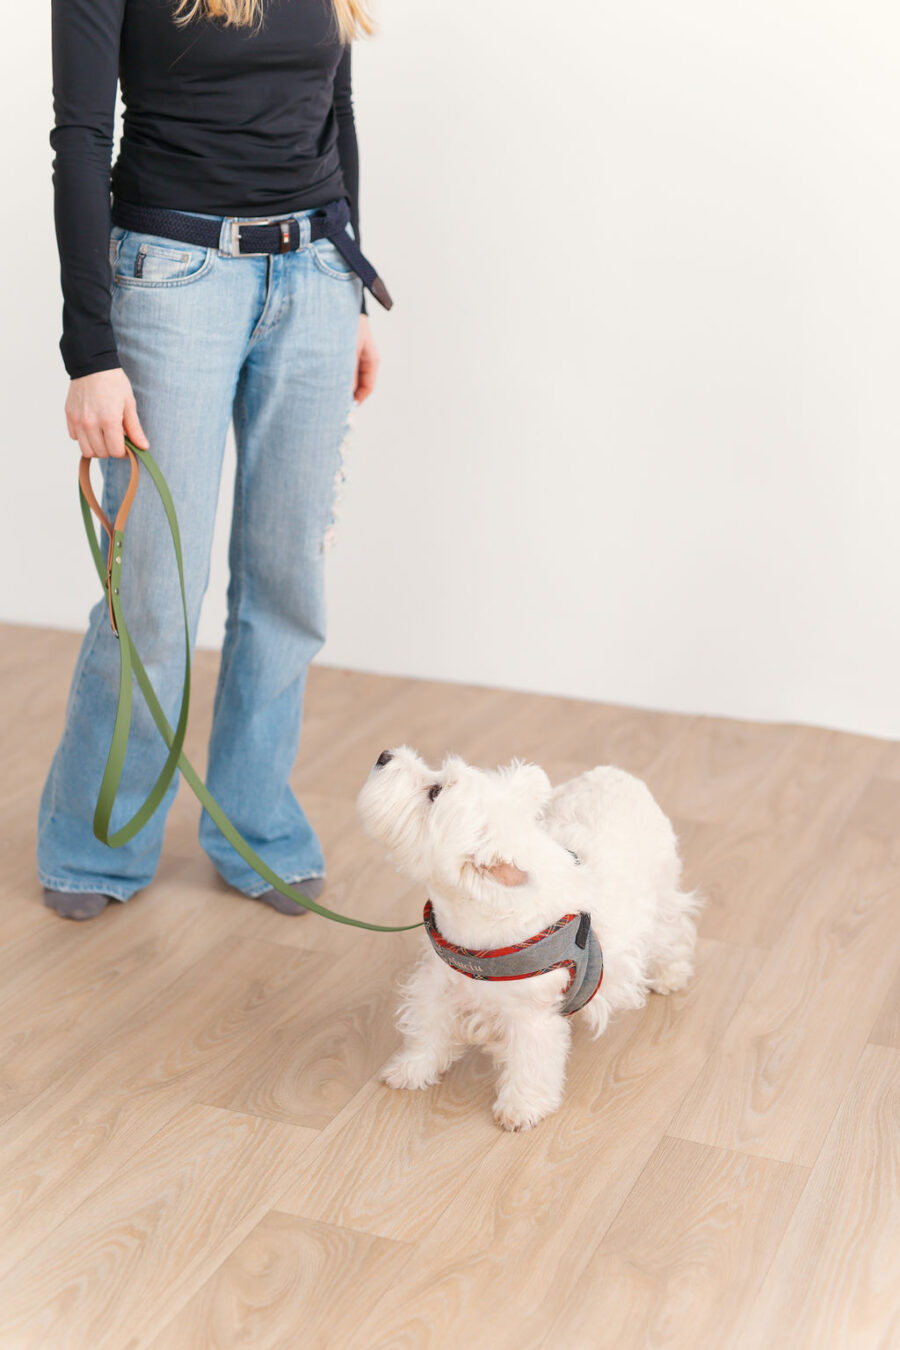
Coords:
pixel 380 292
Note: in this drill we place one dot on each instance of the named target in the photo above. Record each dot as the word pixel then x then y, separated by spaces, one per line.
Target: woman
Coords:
pixel 234 110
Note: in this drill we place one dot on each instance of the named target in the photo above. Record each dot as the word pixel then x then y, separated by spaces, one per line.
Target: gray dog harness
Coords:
pixel 571 942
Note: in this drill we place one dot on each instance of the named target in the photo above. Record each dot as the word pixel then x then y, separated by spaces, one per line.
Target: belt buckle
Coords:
pixel 253 220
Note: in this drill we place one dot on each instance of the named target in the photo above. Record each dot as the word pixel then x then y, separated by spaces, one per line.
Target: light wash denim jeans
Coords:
pixel 206 335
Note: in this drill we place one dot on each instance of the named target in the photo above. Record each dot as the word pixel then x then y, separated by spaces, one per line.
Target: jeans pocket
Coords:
pixel 329 258
pixel 152 260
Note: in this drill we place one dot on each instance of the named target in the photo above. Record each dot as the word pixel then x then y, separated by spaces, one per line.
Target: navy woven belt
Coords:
pixel 262 234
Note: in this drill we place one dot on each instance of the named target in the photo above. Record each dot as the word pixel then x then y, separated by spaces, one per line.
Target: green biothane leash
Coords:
pixel 131 667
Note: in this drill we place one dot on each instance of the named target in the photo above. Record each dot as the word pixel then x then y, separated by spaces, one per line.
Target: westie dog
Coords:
pixel 505 858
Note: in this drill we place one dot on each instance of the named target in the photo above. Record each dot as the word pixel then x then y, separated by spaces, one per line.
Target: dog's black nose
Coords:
pixel 384 758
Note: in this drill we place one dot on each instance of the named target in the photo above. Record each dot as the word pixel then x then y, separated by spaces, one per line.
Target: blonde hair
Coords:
pixel 352 17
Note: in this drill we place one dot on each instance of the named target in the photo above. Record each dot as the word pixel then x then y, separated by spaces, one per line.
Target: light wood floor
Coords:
pixel 195 1152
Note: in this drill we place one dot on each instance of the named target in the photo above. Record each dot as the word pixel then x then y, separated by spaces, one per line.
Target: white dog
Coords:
pixel 505 857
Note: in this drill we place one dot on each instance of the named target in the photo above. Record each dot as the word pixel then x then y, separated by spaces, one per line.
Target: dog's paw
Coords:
pixel 668 979
pixel 517 1116
pixel 411 1074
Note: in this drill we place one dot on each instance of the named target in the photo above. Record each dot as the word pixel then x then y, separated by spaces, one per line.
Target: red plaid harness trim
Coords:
pixel 572 935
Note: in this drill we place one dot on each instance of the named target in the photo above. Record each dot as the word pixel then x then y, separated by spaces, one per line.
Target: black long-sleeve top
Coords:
pixel 224 120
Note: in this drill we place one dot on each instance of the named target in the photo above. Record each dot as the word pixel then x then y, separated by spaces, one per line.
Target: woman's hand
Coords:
pixel 367 359
pixel 100 411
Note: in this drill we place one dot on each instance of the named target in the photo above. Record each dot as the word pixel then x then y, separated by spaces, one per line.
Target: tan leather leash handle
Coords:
pixel 115 531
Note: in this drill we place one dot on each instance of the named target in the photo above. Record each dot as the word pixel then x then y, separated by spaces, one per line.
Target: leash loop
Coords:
pixel 111 577
pixel 109 570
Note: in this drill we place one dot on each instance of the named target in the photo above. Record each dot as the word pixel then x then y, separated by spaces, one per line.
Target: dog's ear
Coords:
pixel 505 872
pixel 529 781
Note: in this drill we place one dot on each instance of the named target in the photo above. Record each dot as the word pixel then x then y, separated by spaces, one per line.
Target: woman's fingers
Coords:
pixel 367 361
pixel 365 382
pixel 113 434
pixel 133 428
pixel 90 437
pixel 78 435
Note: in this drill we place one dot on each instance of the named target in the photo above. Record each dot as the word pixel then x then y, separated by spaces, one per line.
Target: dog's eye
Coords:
pixel 433 791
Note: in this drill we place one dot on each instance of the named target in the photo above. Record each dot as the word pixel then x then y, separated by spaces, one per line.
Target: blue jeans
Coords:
pixel 206 335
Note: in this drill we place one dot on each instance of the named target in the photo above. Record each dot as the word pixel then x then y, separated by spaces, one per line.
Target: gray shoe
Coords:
pixel 311 886
pixel 76 904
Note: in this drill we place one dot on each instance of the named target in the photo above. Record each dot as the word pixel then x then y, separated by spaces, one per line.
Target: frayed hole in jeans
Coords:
pixel 340 478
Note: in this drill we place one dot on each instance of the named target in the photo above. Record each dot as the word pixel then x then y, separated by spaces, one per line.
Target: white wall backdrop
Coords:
pixel 636 436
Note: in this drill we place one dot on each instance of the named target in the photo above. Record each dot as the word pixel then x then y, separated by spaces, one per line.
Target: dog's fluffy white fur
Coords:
pixel 491 847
